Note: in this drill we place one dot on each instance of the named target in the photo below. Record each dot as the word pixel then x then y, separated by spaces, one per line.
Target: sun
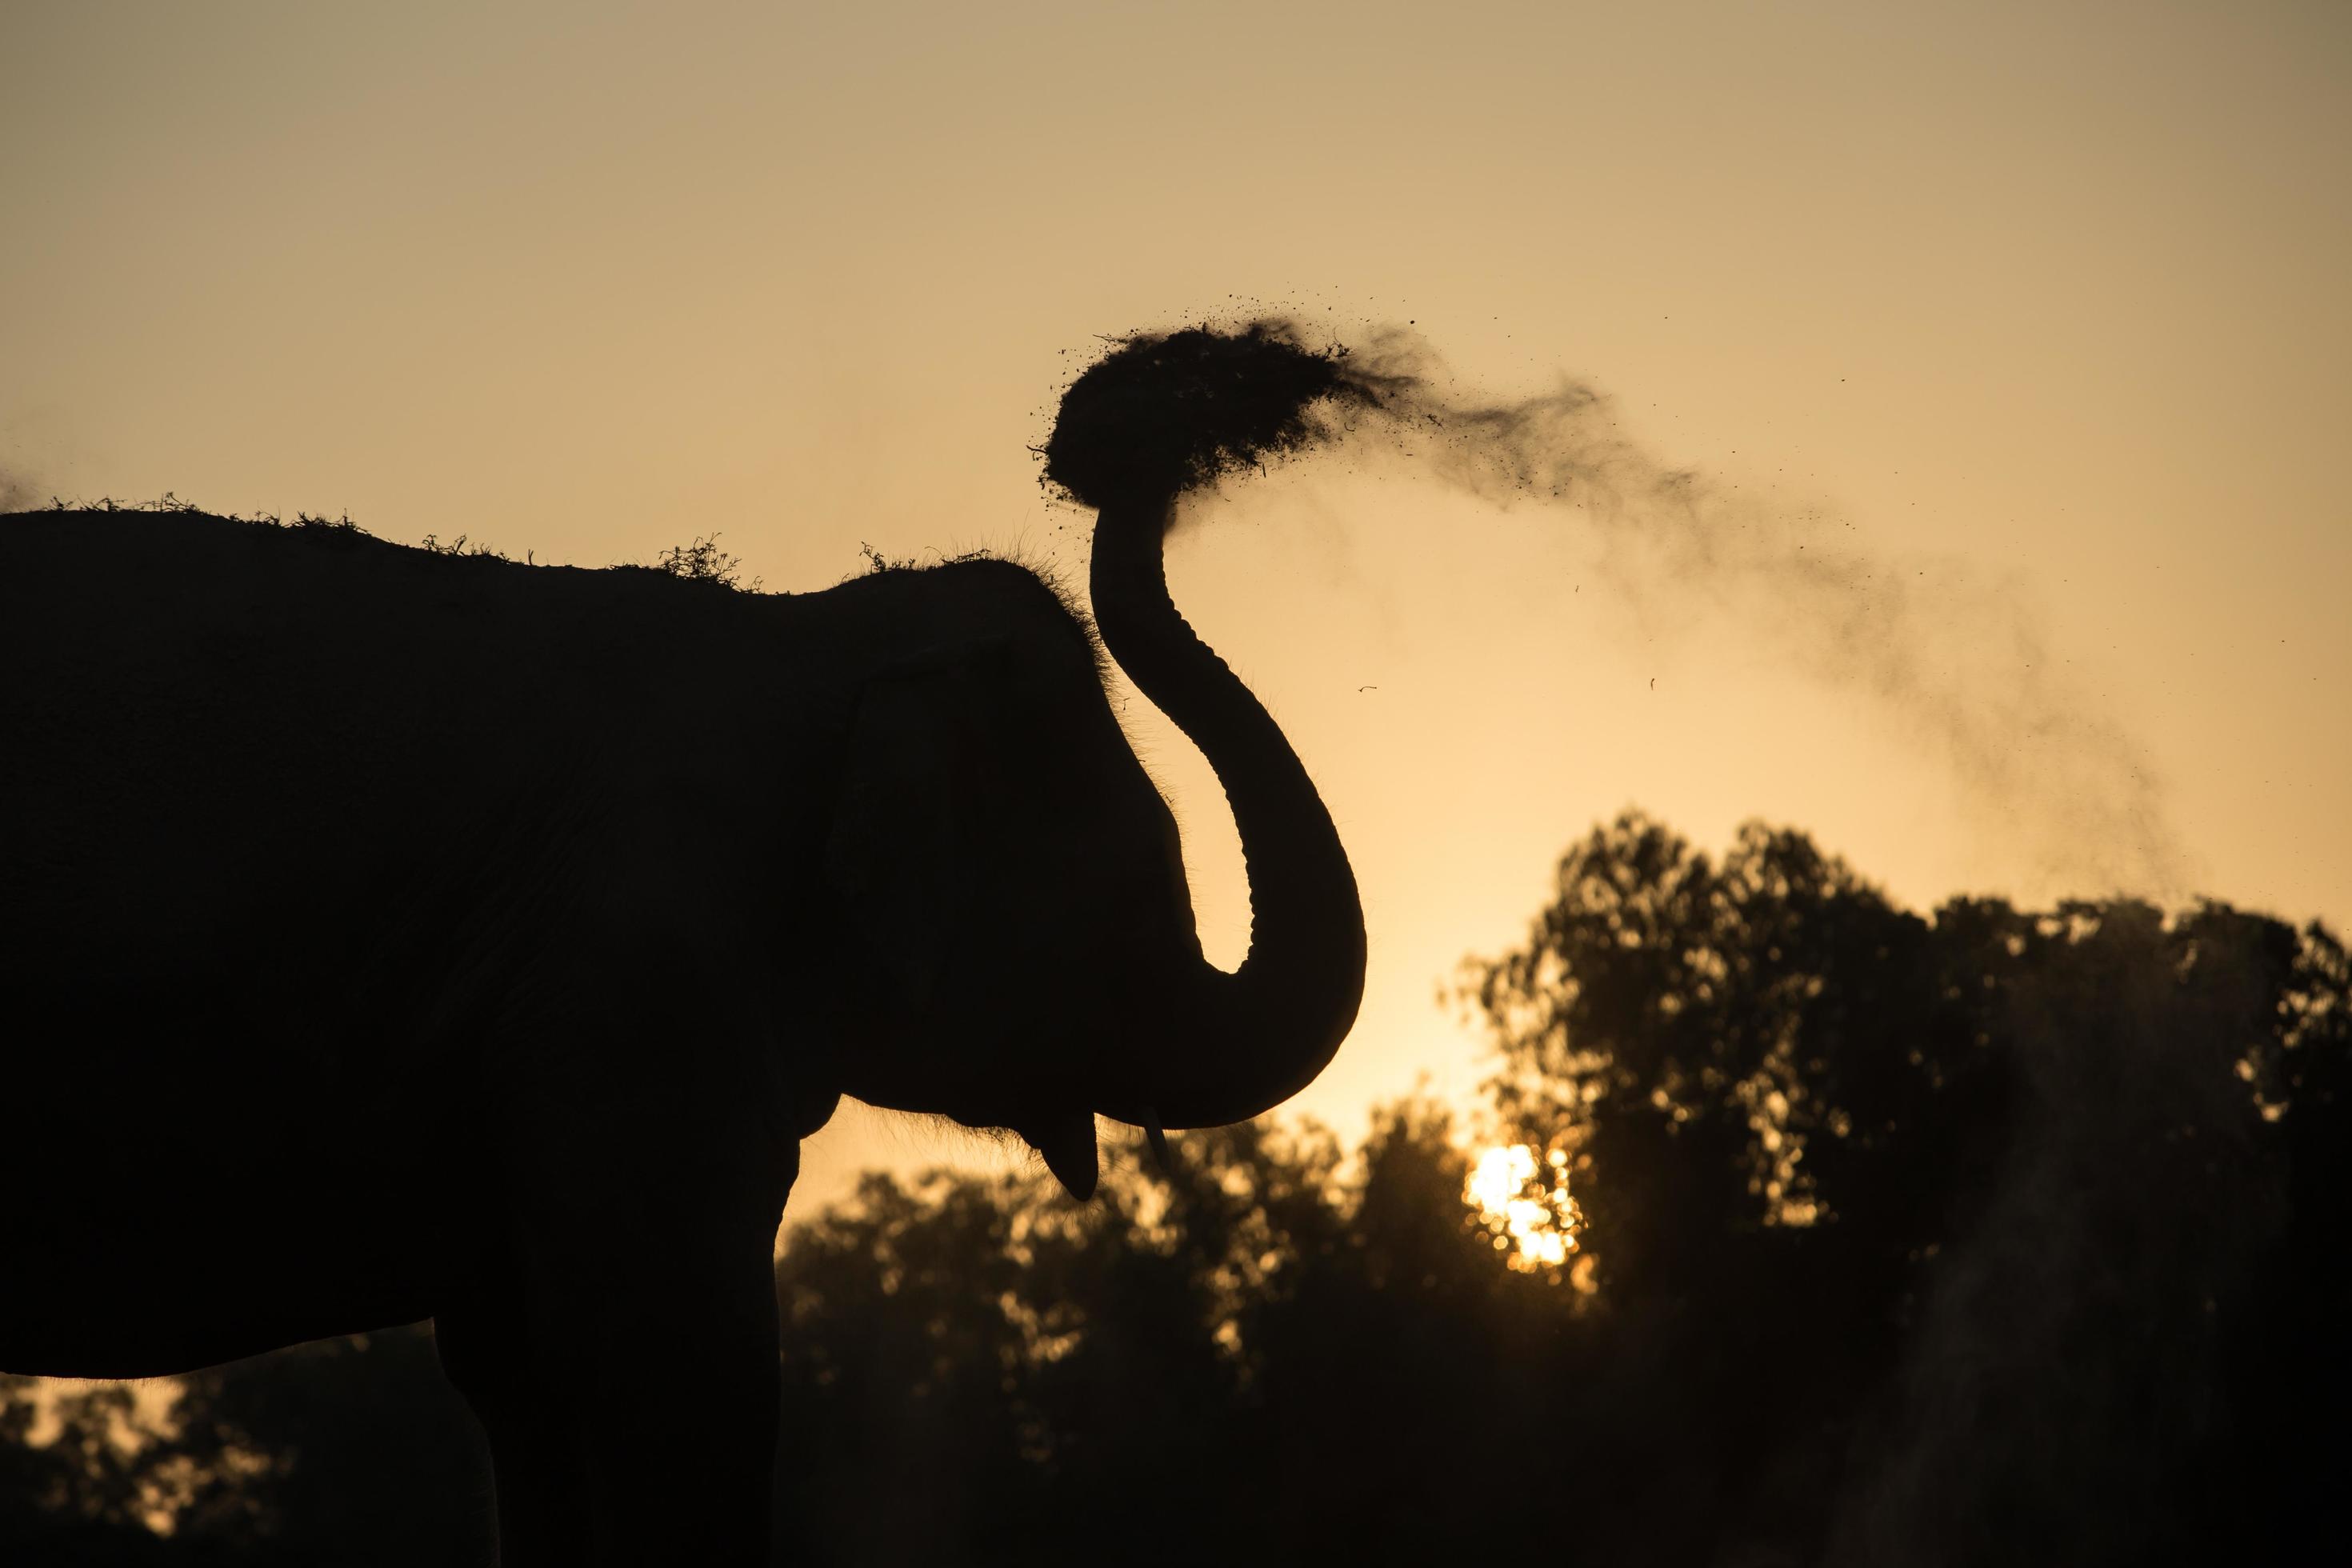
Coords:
pixel 1523 1202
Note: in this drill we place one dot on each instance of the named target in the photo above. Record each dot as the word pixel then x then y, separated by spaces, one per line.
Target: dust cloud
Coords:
pixel 1960 664
pixel 18 493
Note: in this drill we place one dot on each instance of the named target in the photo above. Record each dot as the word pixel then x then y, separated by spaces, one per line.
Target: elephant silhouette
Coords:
pixel 388 935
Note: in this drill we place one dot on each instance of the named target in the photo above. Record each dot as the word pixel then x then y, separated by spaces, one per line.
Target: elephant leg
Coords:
pixel 680 1437
pixel 539 1469
pixel 622 1359
pixel 632 1421
pixel 542 1482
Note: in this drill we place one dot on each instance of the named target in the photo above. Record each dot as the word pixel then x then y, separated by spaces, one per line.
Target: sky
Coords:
pixel 2037 308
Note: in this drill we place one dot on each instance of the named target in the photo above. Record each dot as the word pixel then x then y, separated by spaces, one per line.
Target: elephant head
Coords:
pixel 992 805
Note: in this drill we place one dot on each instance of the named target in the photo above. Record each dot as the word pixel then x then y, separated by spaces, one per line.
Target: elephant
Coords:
pixel 388 935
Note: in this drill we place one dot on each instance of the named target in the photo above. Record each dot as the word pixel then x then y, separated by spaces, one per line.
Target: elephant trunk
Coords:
pixel 1247 1041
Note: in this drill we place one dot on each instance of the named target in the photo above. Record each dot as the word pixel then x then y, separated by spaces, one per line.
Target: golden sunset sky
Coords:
pixel 2039 309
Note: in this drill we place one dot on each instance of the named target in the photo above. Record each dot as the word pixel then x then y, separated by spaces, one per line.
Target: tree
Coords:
pixel 1997 1216
pixel 339 1454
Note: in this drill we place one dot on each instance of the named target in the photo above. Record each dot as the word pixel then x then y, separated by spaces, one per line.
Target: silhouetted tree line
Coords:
pixel 1998 1236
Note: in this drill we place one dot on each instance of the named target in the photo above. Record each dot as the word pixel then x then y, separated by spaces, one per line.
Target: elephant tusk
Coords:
pixel 1068 1143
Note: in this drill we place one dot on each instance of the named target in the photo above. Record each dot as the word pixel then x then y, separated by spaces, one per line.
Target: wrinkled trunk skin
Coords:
pixel 1244 1042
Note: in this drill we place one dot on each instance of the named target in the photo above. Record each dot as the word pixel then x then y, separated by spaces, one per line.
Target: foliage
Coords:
pixel 1986 1211
pixel 433 544
pixel 1985 1237
pixel 83 1491
pixel 703 562
pixel 1193 1341
pixel 172 505
pixel 348 1452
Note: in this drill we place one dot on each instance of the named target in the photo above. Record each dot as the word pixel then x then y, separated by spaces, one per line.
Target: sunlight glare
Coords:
pixel 1524 1204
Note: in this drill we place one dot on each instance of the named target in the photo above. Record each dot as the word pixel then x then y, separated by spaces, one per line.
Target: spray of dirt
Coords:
pixel 18 493
pixel 2065 1361
pixel 1960 664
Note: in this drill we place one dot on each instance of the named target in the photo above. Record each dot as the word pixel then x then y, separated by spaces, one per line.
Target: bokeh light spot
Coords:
pixel 1522 1200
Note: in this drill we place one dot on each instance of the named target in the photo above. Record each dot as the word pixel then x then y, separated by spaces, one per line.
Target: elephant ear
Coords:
pixel 920 767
